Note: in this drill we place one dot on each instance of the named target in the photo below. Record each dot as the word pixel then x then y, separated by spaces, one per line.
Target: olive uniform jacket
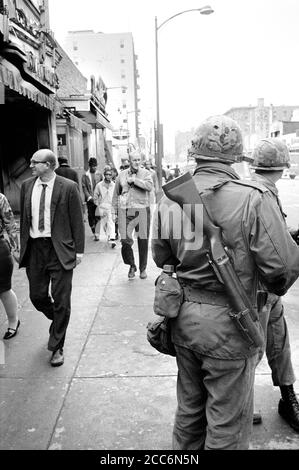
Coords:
pixel 261 248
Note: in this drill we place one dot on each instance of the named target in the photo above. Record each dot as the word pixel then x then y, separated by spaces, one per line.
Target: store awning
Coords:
pixel 11 78
pixel 84 108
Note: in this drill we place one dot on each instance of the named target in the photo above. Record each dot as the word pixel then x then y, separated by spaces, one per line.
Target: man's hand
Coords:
pixel 79 258
pixel 16 254
pixel 131 178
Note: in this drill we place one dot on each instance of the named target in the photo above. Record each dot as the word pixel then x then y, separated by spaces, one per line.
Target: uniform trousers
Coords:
pixel 137 220
pixel 215 402
pixel 46 275
pixel 278 349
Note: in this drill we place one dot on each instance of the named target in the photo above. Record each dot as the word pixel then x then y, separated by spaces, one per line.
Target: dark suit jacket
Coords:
pixel 67 172
pixel 86 187
pixel 67 225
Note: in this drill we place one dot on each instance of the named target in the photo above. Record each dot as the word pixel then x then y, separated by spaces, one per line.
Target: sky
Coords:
pixel 245 50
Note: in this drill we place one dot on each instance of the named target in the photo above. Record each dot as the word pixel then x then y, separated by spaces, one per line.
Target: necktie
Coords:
pixel 41 219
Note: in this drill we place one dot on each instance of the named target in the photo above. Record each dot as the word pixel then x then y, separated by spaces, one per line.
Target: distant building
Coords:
pixel 182 144
pixel 256 121
pixel 81 127
pixel 113 57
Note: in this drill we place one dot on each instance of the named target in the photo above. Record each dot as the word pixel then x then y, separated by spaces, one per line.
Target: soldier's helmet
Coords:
pixel 271 154
pixel 218 138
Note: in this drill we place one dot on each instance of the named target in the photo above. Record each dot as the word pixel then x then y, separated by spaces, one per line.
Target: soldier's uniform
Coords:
pixel 272 155
pixel 216 366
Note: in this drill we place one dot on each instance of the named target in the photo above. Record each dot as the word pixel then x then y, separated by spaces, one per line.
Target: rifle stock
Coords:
pixel 183 191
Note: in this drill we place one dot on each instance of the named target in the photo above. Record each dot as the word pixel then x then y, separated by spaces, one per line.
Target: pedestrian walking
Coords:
pixel 66 171
pixel 177 171
pixel 7 247
pixel 89 182
pixel 155 188
pixel 103 195
pixel 270 158
pixel 131 204
pixel 52 244
pixel 216 365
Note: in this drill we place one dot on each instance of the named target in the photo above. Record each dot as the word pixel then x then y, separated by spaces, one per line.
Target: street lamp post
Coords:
pixel 206 10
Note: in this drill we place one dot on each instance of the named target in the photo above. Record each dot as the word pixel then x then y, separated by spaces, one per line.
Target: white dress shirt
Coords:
pixel 35 201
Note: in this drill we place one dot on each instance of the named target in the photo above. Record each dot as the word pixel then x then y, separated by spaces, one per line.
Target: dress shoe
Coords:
pixel 131 273
pixel 96 238
pixel 11 332
pixel 112 243
pixel 57 358
pixel 257 418
pixel 143 274
pixel 288 407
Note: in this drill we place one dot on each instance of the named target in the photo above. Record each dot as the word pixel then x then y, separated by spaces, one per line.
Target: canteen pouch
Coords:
pixel 159 336
pixel 168 296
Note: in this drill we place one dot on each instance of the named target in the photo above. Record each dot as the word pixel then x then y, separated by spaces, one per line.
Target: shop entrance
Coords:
pixel 25 129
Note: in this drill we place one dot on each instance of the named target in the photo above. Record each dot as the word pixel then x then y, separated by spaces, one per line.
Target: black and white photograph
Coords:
pixel 149 228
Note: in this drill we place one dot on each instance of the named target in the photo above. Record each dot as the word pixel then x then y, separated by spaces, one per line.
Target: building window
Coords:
pixel 125 121
pixel 122 61
pixel 123 76
pixel 124 105
pixel 123 90
pixel 122 44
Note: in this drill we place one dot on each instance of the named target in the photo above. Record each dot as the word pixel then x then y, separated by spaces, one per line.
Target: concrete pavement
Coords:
pixel 114 390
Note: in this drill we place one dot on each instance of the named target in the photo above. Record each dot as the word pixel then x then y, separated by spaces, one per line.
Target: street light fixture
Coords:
pixel 206 10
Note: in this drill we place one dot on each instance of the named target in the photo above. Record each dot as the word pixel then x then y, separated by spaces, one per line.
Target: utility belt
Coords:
pixel 204 296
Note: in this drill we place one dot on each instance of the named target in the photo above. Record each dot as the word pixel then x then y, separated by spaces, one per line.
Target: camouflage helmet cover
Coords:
pixel 218 138
pixel 271 154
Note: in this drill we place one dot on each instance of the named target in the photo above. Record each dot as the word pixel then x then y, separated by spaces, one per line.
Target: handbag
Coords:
pixel 159 335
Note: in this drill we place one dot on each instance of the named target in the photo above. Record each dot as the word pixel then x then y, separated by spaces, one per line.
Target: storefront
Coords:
pixel 28 84
pixel 28 123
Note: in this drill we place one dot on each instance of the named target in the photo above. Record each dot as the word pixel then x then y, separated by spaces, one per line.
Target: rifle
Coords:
pixel 183 191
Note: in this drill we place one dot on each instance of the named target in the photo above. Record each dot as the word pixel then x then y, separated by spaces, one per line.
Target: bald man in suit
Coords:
pixel 52 244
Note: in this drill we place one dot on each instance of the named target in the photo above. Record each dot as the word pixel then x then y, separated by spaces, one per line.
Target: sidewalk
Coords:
pixel 114 390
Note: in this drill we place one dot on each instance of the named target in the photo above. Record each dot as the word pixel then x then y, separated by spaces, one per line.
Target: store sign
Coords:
pixel 41 72
pixel 13 80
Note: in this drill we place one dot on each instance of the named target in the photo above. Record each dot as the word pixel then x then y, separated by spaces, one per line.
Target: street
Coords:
pixel 114 390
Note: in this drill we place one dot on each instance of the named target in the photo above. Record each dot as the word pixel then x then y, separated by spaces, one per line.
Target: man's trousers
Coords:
pixel 137 220
pixel 45 270
pixel 215 402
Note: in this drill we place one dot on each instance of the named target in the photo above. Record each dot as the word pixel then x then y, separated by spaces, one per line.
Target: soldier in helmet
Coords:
pixel 216 366
pixel 270 158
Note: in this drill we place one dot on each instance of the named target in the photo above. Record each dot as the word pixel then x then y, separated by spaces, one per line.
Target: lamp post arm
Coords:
pixel 177 14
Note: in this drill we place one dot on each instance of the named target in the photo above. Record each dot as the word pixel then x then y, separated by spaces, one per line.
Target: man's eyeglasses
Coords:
pixel 35 162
